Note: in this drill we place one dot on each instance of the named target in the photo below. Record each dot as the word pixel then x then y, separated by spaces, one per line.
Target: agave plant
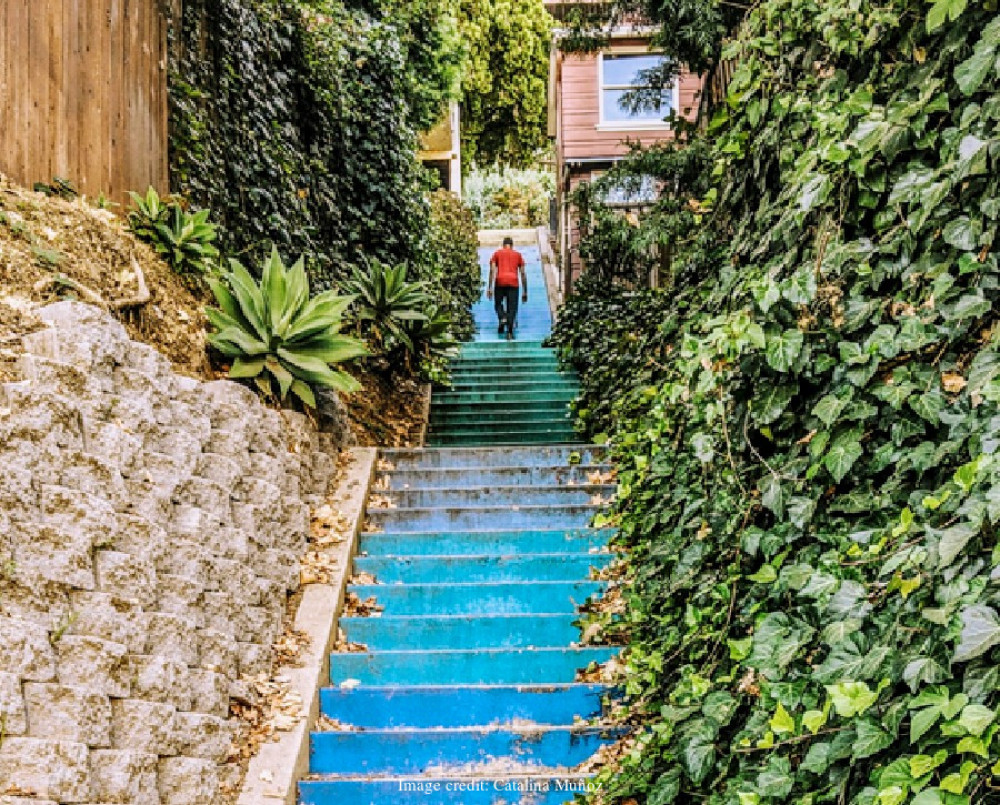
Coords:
pixel 277 335
pixel 388 303
pixel 432 337
pixel 147 213
pixel 185 240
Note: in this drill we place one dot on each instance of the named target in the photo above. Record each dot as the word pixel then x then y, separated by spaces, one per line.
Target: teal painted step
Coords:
pixel 502 666
pixel 479 457
pixel 478 543
pixel 562 425
pixel 505 397
pixel 474 569
pixel 415 752
pixel 463 631
pixel 491 476
pixel 510 790
pixel 497 414
pixel 503 438
pixel 543 383
pixel 483 517
pixel 499 598
pixel 501 495
pixel 429 706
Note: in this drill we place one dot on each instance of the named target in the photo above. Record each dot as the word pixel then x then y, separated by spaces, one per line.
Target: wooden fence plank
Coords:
pixel 83 94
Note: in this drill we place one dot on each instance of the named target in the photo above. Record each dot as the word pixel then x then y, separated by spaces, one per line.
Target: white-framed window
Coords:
pixel 621 73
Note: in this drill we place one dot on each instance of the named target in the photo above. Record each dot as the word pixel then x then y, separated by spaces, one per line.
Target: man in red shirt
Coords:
pixel 506 268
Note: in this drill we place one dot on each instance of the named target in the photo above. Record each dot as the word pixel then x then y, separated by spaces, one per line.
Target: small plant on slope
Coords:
pixel 387 304
pixel 183 239
pixel 277 335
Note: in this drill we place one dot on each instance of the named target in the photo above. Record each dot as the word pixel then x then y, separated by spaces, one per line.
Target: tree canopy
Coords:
pixel 504 90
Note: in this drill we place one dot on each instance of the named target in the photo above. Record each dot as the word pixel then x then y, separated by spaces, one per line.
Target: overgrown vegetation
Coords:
pixel 278 335
pixel 295 122
pixel 805 422
pixel 505 198
pixel 454 266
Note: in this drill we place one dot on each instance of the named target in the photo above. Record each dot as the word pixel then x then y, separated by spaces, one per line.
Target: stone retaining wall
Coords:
pixel 150 531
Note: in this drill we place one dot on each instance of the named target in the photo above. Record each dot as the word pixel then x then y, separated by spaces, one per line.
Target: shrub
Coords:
pixel 454 272
pixel 507 198
pixel 434 344
pixel 185 240
pixel 280 337
pixel 386 304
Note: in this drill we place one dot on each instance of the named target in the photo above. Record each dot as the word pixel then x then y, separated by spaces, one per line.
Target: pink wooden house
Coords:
pixel 592 129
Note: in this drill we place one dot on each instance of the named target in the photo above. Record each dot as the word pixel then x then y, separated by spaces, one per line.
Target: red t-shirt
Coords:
pixel 508 261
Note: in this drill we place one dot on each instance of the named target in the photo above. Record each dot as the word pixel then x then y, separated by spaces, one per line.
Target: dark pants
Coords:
pixel 505 301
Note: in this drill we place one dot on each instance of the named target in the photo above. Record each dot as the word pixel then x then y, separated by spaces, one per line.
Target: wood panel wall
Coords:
pixel 83 94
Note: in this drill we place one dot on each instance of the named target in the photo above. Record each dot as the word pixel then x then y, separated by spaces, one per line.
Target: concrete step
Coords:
pixel 521 789
pixel 458 569
pixel 559 424
pixel 480 457
pixel 497 413
pixel 503 666
pixel 538 495
pixel 497 542
pixel 502 438
pixel 544 382
pixel 549 475
pixel 463 631
pixel 427 707
pixel 497 598
pixel 420 752
pixel 483 518
pixel 509 398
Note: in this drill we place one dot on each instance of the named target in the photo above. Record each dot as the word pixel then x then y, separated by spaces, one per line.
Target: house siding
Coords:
pixel 581 135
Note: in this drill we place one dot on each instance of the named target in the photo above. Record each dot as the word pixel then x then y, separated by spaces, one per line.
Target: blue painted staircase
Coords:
pixel 481 554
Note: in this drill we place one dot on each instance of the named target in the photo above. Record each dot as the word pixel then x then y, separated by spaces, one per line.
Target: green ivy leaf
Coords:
pixel 782 722
pixel 814 720
pixel 980 632
pixel 841 457
pixel 783 348
pixel 851 698
pixel 871 739
pixel 970 74
pixel 976 718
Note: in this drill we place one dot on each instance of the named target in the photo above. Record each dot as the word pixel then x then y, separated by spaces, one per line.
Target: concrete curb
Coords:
pixel 275 771
pixel 426 413
pixel 549 272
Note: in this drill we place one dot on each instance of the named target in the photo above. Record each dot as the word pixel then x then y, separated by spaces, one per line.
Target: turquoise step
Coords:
pixel 480 457
pixel 539 789
pixel 495 568
pixel 472 415
pixel 415 752
pixel 442 632
pixel 492 476
pixel 538 495
pixel 499 598
pixel 560 424
pixel 503 438
pixel 503 666
pixel 505 397
pixel 425 707
pixel 478 543
pixel 546 382
pixel 483 518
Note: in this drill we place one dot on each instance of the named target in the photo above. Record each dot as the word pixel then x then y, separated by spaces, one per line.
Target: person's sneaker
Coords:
pixel 510 335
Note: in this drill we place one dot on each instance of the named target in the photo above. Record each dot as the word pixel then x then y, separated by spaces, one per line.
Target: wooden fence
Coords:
pixel 83 94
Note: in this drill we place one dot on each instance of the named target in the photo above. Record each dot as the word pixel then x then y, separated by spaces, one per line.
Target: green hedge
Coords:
pixel 808 456
pixel 296 122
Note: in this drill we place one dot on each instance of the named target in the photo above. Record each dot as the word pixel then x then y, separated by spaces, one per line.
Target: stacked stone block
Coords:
pixel 151 527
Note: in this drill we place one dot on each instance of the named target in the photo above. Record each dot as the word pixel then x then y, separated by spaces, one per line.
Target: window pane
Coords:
pixel 612 109
pixel 623 71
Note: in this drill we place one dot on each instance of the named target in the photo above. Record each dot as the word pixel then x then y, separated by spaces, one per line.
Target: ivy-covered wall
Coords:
pixel 295 123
